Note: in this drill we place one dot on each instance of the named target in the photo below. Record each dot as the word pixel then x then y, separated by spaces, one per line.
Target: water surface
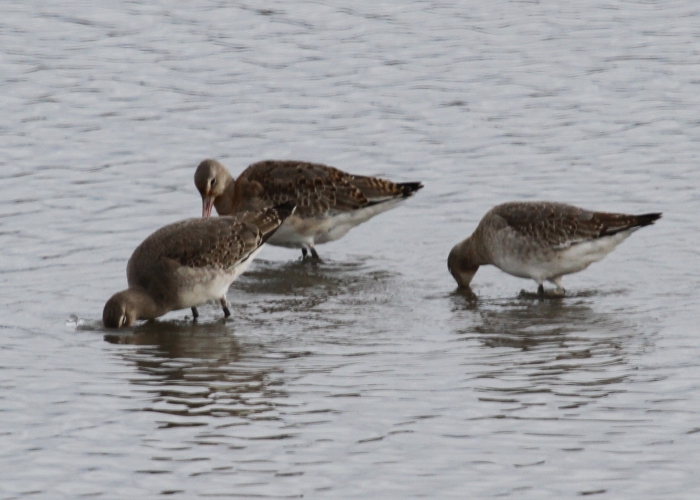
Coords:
pixel 368 375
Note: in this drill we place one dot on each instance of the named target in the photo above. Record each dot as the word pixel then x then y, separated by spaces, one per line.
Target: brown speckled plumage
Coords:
pixel 559 225
pixel 541 240
pixel 219 243
pixel 190 262
pixel 320 192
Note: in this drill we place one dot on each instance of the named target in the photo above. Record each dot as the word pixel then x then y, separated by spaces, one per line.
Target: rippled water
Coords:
pixel 368 375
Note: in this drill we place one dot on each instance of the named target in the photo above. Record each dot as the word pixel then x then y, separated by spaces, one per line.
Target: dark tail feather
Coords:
pixel 408 188
pixel 616 223
pixel 646 219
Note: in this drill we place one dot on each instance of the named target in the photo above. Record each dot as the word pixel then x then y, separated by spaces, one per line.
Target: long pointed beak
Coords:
pixel 207 206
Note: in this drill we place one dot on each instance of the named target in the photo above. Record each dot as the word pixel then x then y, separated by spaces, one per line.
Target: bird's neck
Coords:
pixel 465 258
pixel 224 202
pixel 142 304
pixel 472 253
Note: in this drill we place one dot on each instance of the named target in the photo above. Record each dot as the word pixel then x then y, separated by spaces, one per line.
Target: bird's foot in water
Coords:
pixel 314 255
pixel 467 293
pixel 557 293
pixel 224 307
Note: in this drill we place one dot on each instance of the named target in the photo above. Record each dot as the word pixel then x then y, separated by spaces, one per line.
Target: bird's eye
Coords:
pixel 213 182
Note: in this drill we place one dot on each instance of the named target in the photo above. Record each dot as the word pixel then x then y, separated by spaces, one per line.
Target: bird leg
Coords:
pixel 314 253
pixel 559 292
pixel 224 306
pixel 546 294
pixel 551 294
pixel 195 314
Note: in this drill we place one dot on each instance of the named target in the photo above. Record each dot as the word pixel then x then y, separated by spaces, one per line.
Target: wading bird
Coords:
pixel 329 201
pixel 189 263
pixel 542 241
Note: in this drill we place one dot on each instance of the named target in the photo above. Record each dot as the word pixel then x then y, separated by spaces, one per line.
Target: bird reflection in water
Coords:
pixel 325 279
pixel 326 295
pixel 201 369
pixel 546 345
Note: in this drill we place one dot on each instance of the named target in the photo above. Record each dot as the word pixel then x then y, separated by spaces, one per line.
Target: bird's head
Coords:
pixel 211 179
pixel 120 310
pixel 460 267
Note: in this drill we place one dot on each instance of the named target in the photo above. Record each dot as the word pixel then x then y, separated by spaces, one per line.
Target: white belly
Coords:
pixel 298 232
pixel 546 264
pixel 201 285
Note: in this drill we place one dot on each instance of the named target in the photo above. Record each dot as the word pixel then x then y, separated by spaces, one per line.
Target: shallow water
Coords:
pixel 367 375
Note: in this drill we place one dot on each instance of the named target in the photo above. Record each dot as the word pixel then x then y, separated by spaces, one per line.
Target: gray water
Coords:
pixel 368 375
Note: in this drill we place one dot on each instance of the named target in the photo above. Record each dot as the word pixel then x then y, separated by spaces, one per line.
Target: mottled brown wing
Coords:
pixel 315 189
pixel 614 223
pixel 560 225
pixel 377 190
pixel 219 242
pixel 552 224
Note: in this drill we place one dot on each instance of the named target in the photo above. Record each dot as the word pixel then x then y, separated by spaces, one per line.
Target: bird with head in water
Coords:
pixel 543 241
pixel 189 263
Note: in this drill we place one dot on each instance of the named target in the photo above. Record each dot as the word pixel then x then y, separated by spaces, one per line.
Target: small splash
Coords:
pixel 73 321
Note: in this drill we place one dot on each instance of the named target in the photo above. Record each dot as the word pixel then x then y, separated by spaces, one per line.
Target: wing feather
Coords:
pixel 315 189
pixel 218 242
pixel 560 226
